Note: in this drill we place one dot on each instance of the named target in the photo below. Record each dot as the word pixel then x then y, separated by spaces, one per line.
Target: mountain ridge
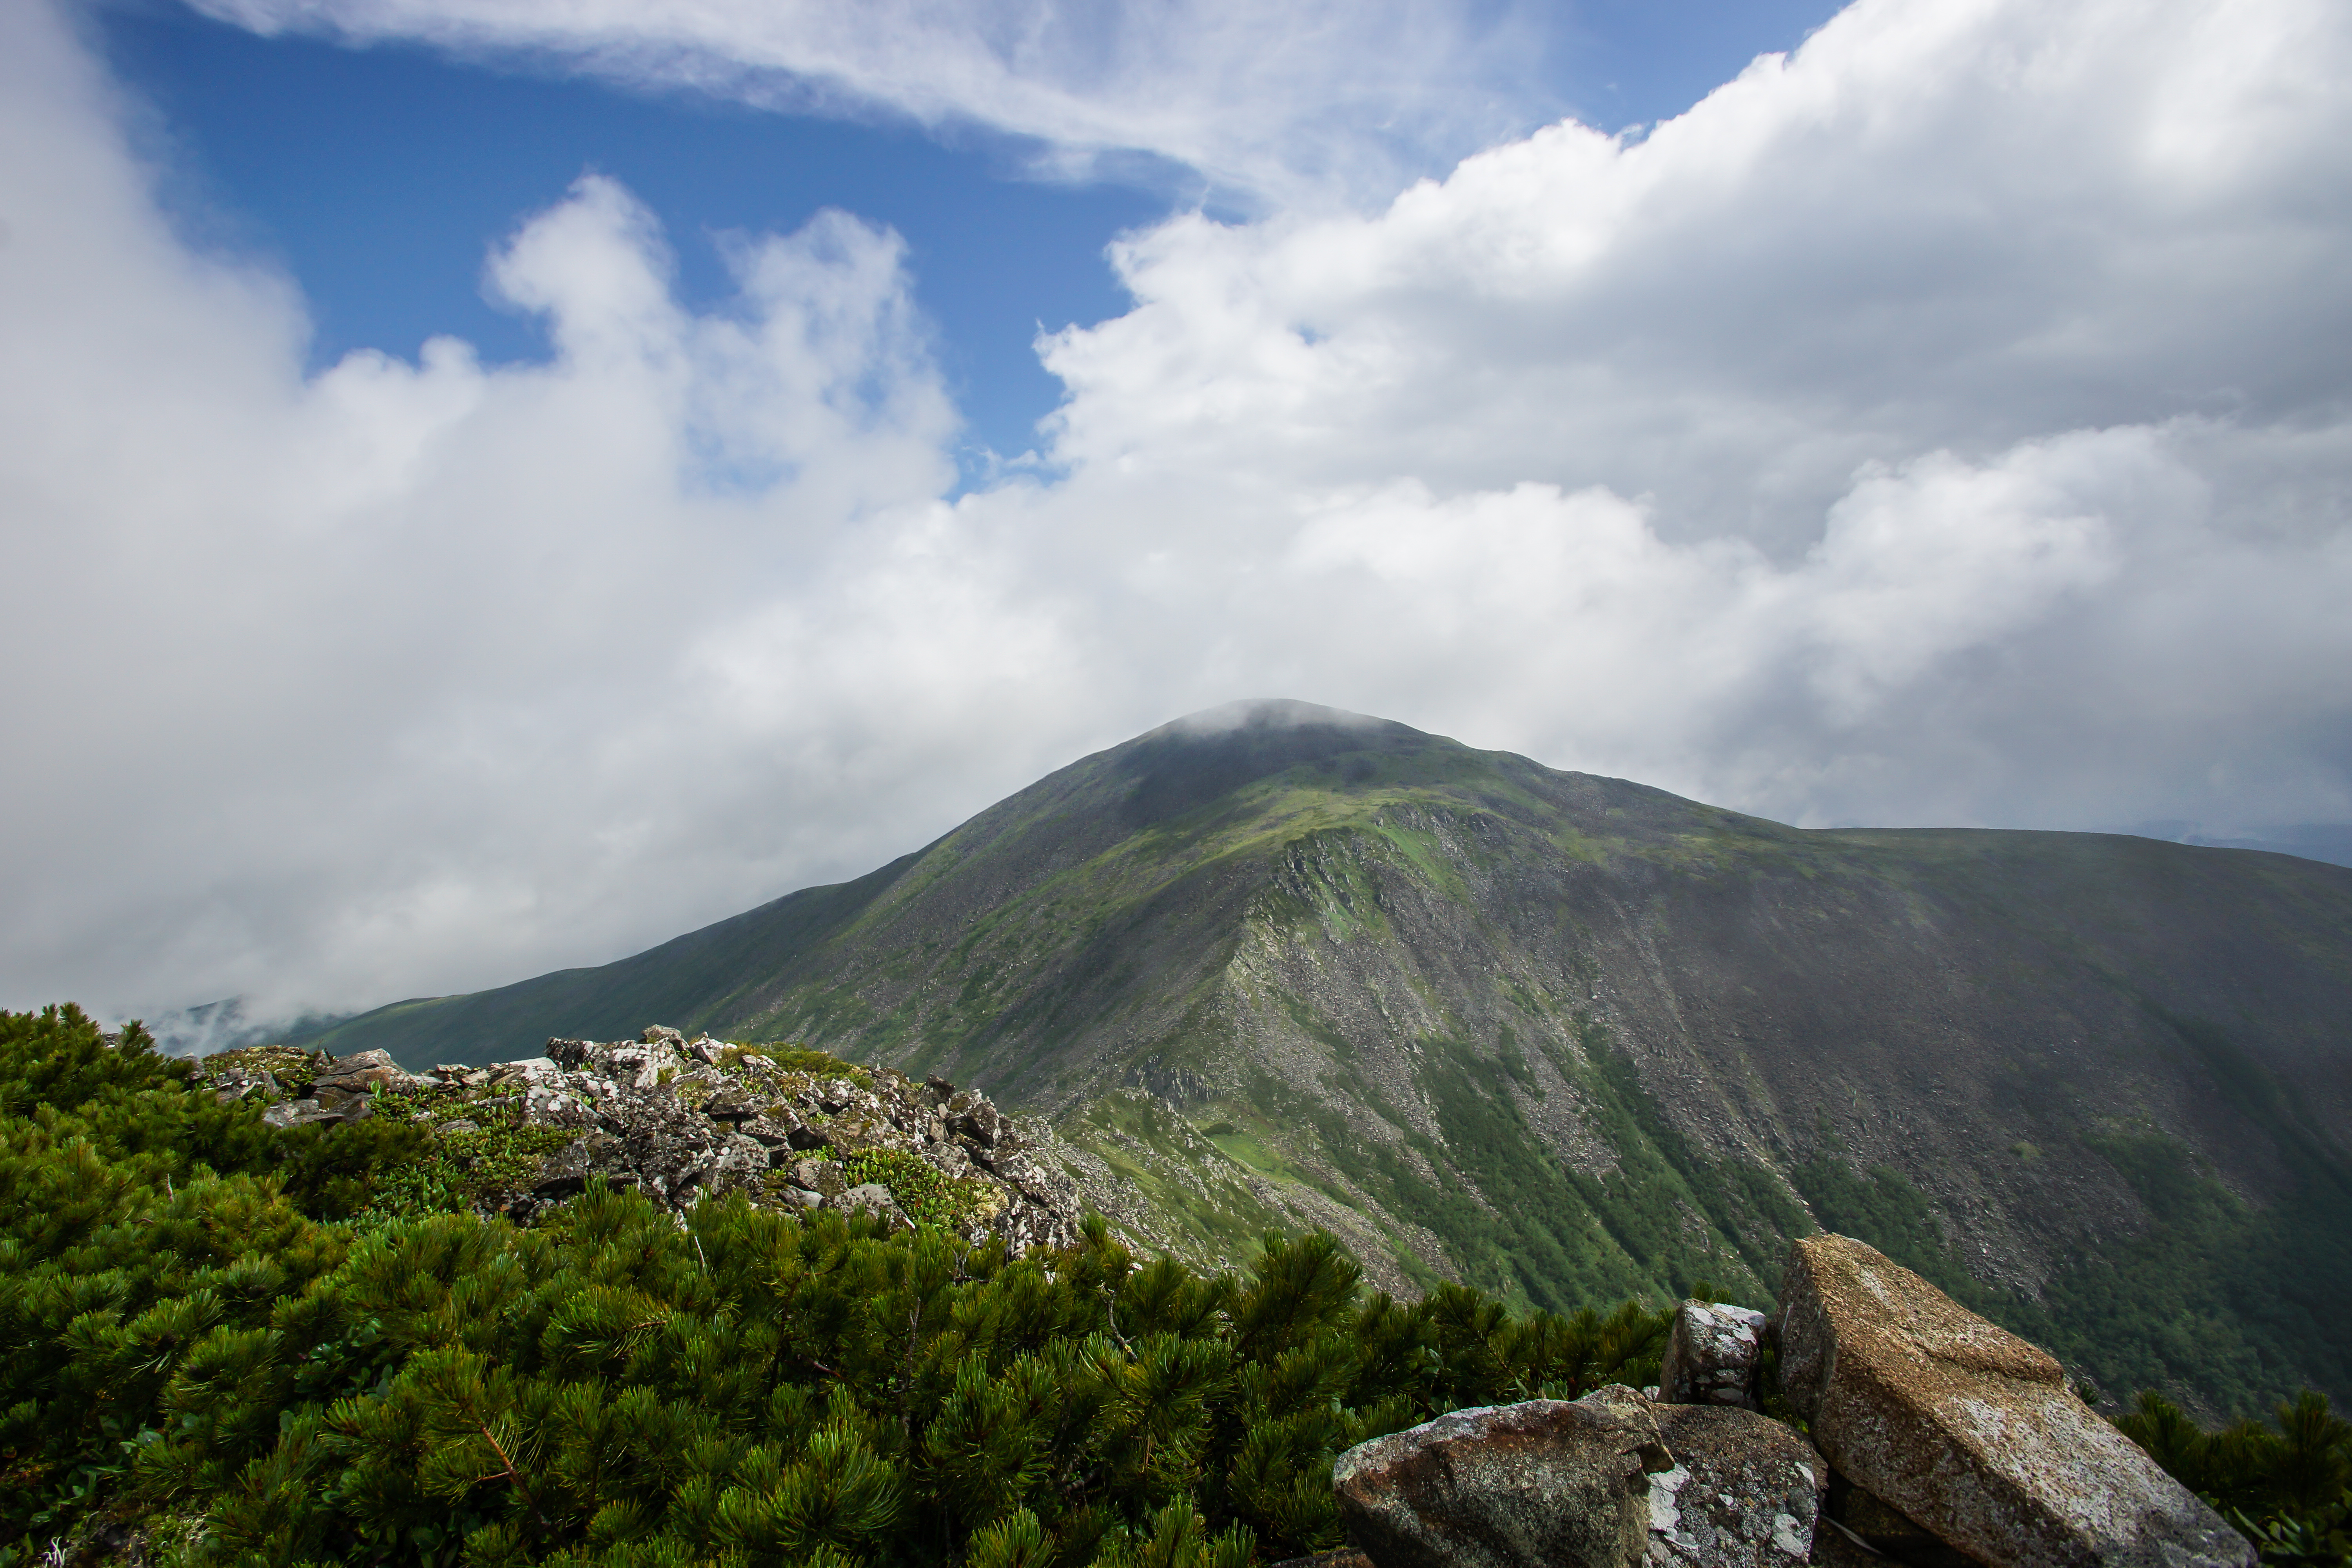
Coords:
pixel 1566 1036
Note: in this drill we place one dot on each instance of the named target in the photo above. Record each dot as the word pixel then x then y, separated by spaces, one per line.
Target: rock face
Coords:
pixel 1711 1355
pixel 679 1120
pixel 1744 1491
pixel 1971 1431
pixel 1545 1484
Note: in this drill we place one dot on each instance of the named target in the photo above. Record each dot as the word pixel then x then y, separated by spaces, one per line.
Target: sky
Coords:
pixel 487 486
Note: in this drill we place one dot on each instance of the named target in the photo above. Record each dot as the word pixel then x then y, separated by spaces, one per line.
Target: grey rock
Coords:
pixel 1711 1355
pixel 872 1197
pixel 652 1115
pixel 1543 1484
pixel 820 1176
pixel 972 1116
pixel 1744 1491
pixel 772 1127
pixel 314 1113
pixel 1971 1431
pixel 662 1034
pixel 360 1073
pixel 257 1083
pixel 358 1061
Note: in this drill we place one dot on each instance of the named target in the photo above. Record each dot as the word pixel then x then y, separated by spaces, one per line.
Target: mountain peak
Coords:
pixel 1197 759
pixel 1260 713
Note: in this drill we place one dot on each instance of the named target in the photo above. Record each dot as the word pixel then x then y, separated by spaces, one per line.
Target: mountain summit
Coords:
pixel 1565 1037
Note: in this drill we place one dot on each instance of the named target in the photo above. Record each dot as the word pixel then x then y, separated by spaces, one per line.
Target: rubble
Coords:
pixel 680 1119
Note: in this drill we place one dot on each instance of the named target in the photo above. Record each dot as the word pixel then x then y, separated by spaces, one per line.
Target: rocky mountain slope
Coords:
pixel 1566 1036
pixel 680 1120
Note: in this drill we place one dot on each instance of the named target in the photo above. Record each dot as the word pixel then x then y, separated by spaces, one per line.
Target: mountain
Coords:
pixel 1567 1037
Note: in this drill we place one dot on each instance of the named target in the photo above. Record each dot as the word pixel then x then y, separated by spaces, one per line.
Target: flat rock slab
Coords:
pixel 1744 1491
pixel 1972 1431
pixel 1544 1484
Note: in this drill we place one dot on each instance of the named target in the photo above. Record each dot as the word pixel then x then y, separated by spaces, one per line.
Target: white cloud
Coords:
pixel 1946 424
pixel 1262 101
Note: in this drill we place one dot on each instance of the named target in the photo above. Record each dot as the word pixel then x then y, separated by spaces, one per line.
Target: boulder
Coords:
pixel 1745 1490
pixel 313 1113
pixel 1969 1430
pixel 1544 1484
pixel 662 1034
pixel 233 1085
pixel 360 1073
pixel 972 1116
pixel 772 1129
pixel 1711 1354
pixel 872 1197
pixel 822 1177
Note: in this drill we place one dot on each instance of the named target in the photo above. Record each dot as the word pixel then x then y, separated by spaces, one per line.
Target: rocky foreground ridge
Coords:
pixel 1923 1433
pixel 680 1119
pixel 1902 1426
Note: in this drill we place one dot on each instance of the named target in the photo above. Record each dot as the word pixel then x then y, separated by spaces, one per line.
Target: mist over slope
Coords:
pixel 1568 1037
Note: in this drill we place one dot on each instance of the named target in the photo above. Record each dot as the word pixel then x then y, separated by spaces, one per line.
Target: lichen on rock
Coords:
pixel 681 1119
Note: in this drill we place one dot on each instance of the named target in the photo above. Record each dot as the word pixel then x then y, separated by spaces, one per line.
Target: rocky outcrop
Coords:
pixel 1544 1484
pixel 680 1119
pixel 1943 1442
pixel 1711 1355
pixel 1971 1432
pixel 1744 1492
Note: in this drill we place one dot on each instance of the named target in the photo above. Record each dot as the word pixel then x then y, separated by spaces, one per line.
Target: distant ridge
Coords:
pixel 1568 1037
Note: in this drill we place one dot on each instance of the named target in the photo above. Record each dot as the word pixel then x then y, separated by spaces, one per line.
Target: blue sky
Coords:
pixel 492 486
pixel 379 177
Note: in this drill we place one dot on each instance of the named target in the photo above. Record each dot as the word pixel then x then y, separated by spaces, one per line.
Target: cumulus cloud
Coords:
pixel 1945 423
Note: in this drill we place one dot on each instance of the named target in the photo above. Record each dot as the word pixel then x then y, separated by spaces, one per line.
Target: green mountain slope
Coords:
pixel 1567 1037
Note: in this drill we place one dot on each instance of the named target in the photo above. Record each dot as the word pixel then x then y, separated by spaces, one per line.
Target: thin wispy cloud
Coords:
pixel 1295 103
pixel 1945 423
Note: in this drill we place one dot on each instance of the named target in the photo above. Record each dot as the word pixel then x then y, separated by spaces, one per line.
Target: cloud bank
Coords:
pixel 1947 423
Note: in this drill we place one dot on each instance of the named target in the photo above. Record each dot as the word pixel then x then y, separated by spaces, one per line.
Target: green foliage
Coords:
pixel 802 1058
pixel 2285 1485
pixel 923 1193
pixel 448 1172
pixel 196 1346
pixel 1548 1234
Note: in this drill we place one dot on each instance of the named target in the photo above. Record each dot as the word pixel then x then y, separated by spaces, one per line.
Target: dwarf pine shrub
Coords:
pixel 198 1338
